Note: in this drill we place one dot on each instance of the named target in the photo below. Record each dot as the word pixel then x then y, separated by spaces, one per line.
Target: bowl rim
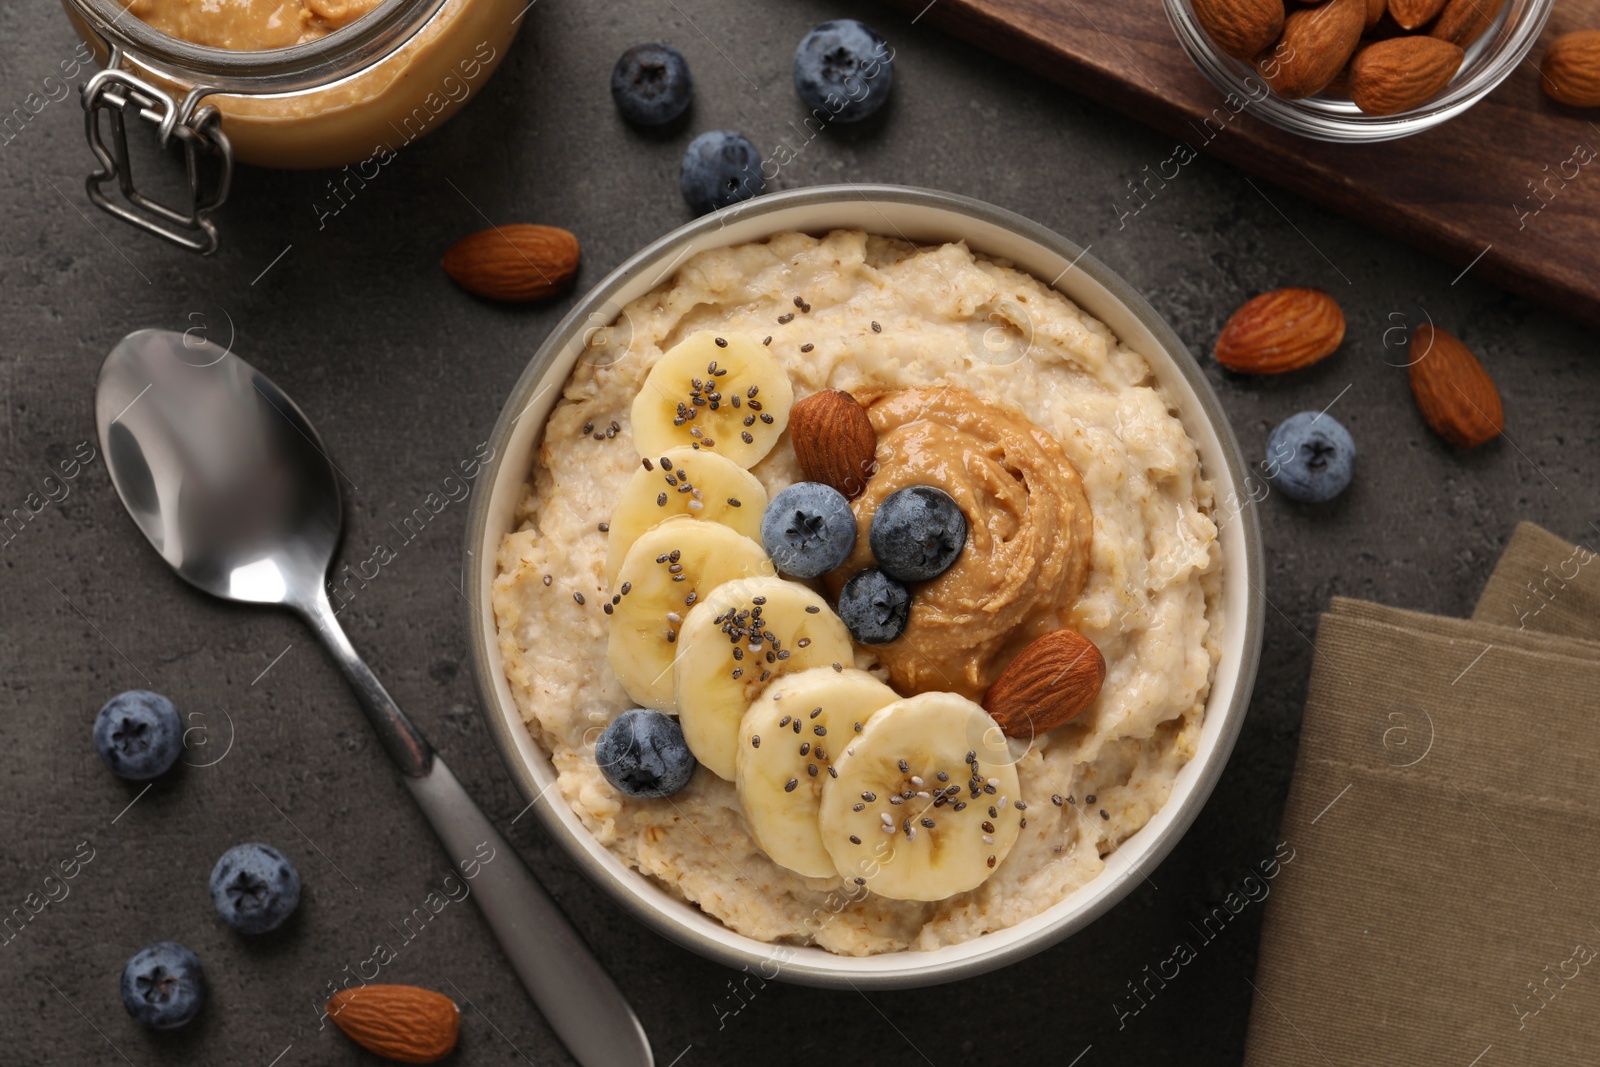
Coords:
pixel 820 967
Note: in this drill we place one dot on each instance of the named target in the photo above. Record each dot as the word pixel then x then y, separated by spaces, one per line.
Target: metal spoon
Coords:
pixel 230 483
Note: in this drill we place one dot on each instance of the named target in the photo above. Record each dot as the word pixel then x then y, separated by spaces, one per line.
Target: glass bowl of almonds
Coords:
pixel 1357 70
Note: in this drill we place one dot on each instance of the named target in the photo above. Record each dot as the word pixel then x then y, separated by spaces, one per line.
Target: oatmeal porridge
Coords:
pixel 794 702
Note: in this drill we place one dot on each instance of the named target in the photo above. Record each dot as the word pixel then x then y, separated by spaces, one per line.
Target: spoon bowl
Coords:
pixel 222 472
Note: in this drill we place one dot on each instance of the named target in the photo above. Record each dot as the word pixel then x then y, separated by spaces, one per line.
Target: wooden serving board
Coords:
pixel 1463 191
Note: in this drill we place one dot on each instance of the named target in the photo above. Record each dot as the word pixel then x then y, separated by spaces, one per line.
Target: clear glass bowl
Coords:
pixel 1489 61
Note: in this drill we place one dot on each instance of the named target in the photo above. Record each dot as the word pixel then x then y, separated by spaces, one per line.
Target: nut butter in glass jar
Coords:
pixel 344 92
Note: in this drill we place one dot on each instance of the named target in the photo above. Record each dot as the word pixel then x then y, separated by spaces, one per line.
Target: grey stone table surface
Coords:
pixel 404 375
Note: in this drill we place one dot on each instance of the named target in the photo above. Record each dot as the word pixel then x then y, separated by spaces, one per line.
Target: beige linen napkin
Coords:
pixel 1441 907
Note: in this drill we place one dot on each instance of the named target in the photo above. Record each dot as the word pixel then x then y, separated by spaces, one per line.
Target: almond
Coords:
pixel 1388 77
pixel 1049 683
pixel 1316 43
pixel 1375 10
pixel 1413 13
pixel 398 1022
pixel 1241 28
pixel 517 262
pixel 1571 69
pixel 1463 21
pixel 1457 398
pixel 1279 331
pixel 834 441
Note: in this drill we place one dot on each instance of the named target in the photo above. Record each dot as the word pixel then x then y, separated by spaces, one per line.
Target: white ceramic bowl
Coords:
pixel 926 217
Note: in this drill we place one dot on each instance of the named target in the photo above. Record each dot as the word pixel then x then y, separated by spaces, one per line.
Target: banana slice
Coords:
pixel 734 643
pixel 670 568
pixel 683 481
pixel 721 393
pixel 926 804
pixel 787 741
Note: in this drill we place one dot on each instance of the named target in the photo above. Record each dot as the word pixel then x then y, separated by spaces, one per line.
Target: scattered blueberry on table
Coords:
pixel 643 754
pixel 138 734
pixel 842 68
pixel 917 533
pixel 808 529
pixel 651 84
pixel 255 888
pixel 163 986
pixel 1310 457
pixel 720 168
pixel 874 607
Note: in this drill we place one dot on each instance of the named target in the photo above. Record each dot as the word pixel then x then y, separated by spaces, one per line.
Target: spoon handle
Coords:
pixel 401 739
pixel 577 997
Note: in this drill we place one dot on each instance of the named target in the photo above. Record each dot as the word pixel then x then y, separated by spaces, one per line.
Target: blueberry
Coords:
pixel 163 986
pixel 917 533
pixel 843 69
pixel 139 734
pixel 874 606
pixel 720 168
pixel 808 529
pixel 255 888
pixel 643 754
pixel 651 84
pixel 1310 457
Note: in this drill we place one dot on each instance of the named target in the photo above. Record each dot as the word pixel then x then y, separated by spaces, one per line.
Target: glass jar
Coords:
pixel 361 93
pixel 1490 60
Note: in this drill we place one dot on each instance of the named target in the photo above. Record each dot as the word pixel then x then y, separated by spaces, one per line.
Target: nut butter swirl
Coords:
pixel 1028 532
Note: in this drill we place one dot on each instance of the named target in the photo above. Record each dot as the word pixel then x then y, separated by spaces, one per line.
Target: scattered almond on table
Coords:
pixel 1571 69
pixel 514 263
pixel 1283 330
pixel 398 1022
pixel 1456 396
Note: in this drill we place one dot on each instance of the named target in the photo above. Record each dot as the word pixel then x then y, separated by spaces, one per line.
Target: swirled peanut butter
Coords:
pixel 1028 533
pixel 248 25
